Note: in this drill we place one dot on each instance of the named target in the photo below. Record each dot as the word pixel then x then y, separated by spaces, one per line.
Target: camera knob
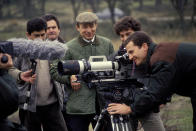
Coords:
pixel 4 59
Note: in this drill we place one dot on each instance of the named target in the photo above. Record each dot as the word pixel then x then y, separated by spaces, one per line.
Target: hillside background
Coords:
pixel 164 21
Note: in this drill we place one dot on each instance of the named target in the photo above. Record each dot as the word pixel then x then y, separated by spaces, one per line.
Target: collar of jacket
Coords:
pixel 61 40
pixel 84 43
pixel 150 51
pixel 146 66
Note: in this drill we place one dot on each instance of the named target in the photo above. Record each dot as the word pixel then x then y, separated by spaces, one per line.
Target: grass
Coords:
pixel 177 115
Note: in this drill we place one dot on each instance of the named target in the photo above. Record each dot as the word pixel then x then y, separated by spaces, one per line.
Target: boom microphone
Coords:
pixel 33 49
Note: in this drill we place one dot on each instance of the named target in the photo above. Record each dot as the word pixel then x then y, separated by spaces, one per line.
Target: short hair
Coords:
pixel 36 24
pixel 49 17
pixel 138 38
pixel 126 23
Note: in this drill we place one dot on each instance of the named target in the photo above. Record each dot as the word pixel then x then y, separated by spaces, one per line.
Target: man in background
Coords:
pixel 81 104
pixel 42 101
pixel 53 33
pixel 53 28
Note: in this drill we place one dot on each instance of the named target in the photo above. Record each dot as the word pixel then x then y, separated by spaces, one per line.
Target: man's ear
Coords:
pixel 145 46
pixel 96 25
pixel 28 35
pixel 77 27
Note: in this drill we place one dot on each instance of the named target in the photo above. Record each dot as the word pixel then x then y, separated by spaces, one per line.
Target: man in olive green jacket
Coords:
pixel 81 104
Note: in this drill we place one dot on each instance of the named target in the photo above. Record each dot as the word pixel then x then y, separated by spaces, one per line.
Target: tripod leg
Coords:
pixel 126 126
pixel 101 116
pixel 117 127
pixel 97 126
pixel 122 124
pixel 112 121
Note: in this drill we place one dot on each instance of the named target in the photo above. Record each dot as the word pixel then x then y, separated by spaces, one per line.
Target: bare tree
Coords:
pixel 111 6
pixel 93 4
pixel 28 8
pixel 97 4
pixel 1 6
pixel 76 4
pixel 194 13
pixel 84 2
pixel 5 4
pixel 141 4
pixel 158 4
pixel 124 5
pixel 180 5
pixel 43 2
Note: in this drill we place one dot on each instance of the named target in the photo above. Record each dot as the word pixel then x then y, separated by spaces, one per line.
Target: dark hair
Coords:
pixel 126 23
pixel 36 24
pixel 138 38
pixel 49 17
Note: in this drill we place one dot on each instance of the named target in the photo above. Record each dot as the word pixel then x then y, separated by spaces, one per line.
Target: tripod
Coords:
pixel 116 92
pixel 118 122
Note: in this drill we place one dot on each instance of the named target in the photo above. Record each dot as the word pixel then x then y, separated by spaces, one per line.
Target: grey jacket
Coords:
pixel 24 64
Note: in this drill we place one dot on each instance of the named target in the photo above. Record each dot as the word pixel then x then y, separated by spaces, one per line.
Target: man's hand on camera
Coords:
pixel 117 108
pixel 74 84
pixel 27 76
pixel 8 64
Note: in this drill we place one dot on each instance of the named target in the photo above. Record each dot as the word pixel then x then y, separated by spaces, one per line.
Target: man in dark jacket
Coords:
pixel 8 93
pixel 172 69
pixel 124 28
pixel 8 89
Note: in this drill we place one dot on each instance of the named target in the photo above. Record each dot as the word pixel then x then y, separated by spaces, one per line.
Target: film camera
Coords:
pixel 115 81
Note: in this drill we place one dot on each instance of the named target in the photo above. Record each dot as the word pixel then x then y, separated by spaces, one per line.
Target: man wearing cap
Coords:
pixel 81 104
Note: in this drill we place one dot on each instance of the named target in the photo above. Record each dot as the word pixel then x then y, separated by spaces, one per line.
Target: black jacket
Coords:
pixel 8 94
pixel 172 69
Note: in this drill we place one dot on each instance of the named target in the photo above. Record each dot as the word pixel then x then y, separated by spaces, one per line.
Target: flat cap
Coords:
pixel 86 17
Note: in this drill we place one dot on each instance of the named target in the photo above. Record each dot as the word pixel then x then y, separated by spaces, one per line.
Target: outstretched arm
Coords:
pixel 20 76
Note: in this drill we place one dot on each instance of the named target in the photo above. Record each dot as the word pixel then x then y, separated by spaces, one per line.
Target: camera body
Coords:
pixel 113 80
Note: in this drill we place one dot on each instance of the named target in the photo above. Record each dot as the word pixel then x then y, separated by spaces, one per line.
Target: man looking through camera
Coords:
pixel 124 28
pixel 167 73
